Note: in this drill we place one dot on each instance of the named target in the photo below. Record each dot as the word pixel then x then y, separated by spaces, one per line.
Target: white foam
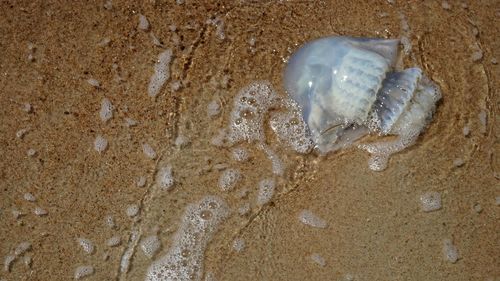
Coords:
pixel 129 252
pixel 106 111
pixel 31 152
pixel 141 181
pixel 83 271
pixel 143 23
pixel 114 241
pixel 150 245
pixel 40 211
pixel 318 259
pixel 291 129
pixel 238 245
pixel 148 150
pixel 213 109
pixel 100 144
pixel 22 247
pixel 7 262
pixel 459 162
pixel 431 201
pixel 466 131
pixel 184 260
pixel 266 191
pixel 161 73
pixel 20 134
pixel 132 210
pixel 29 197
pixel 164 178
pixel 86 245
pixel 240 154
pixel 277 164
pixel 450 252
pixel 228 179
pixel 129 122
pixel 249 109
pixel 307 217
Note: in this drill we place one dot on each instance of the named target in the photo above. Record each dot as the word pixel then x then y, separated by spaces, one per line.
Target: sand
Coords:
pixel 375 226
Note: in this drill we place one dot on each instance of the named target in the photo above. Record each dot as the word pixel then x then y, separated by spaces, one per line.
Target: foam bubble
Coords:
pixel 184 260
pixel 132 210
pixel 83 271
pixel 228 179
pixel 114 241
pixel 148 151
pixel 86 245
pixel 164 178
pixel 238 245
pixel 266 191
pixel 106 111
pixel 93 82
pixel 213 109
pixel 450 252
pixel 307 217
pixel 143 23
pixel 31 152
pixel 318 259
pixel 100 144
pixel 161 73
pixel 250 106
pixel 40 211
pixel 431 201
pixel 150 245
pixel 20 134
pixel 291 128
pixel 277 164
pixel 29 197
pixel 240 154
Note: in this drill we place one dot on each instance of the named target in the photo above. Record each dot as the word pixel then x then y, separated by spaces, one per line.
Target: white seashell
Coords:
pixel 348 87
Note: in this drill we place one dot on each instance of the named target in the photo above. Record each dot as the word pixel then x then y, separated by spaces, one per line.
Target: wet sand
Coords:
pixel 375 229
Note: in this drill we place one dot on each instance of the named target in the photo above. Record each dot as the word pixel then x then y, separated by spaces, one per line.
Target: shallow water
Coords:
pixel 375 227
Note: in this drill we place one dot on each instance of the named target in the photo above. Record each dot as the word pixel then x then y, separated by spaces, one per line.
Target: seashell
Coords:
pixel 348 87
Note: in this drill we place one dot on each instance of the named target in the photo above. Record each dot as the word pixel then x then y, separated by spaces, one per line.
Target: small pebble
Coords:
pixel 450 252
pixel 430 201
pixel 27 107
pixel 83 271
pixel 132 210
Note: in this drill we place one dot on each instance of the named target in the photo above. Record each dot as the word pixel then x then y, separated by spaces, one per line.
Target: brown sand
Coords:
pixel 376 230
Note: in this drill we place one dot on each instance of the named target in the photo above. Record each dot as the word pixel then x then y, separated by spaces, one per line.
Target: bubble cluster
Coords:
pixel 277 165
pixel 307 217
pixel 450 252
pixel 431 201
pixel 86 245
pixel 106 111
pixel 184 260
pixel 266 191
pixel 100 144
pixel 148 150
pixel 213 109
pixel 150 245
pixel 114 241
pixel 164 178
pixel 240 154
pixel 83 271
pixel 228 179
pixel 318 259
pixel 161 73
pixel 248 114
pixel 291 129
